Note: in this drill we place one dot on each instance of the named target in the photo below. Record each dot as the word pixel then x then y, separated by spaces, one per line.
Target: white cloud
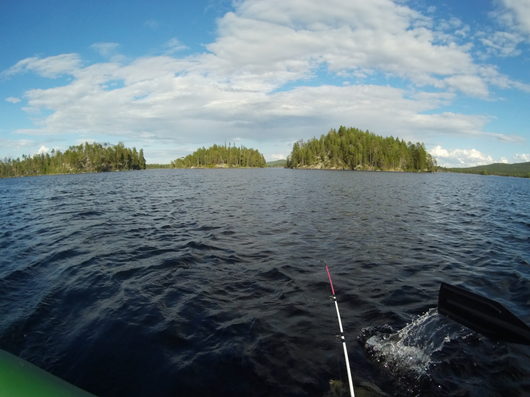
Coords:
pixel 460 157
pixel 18 143
pixel 43 150
pixel 276 42
pixel 105 49
pixel 238 87
pixel 503 44
pixel 8 147
pixel 472 85
pixel 516 14
pixel 159 97
pixel 277 156
pixel 12 99
pixel 514 17
pixel 288 40
pixel 522 157
pixel 492 76
pixel 50 67
pixel 174 45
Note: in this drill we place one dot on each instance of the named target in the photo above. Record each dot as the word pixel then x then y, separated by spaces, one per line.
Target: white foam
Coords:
pixel 411 348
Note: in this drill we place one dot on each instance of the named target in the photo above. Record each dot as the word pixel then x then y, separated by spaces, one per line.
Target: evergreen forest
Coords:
pixel 521 170
pixel 354 149
pixel 218 156
pixel 277 164
pixel 87 157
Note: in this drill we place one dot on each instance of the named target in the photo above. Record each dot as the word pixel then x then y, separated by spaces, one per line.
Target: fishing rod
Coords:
pixel 343 340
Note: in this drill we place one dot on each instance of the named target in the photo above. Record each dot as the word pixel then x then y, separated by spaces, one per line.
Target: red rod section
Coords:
pixel 330 282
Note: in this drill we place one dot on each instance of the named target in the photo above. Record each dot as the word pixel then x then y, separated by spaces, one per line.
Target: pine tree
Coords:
pixel 87 157
pixel 351 148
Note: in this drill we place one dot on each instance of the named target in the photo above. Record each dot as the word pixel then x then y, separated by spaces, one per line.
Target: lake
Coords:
pixel 212 282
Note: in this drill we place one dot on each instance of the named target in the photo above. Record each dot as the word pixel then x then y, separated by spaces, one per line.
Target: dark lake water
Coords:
pixel 212 282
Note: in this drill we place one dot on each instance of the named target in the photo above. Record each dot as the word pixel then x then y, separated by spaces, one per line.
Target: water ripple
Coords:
pixel 181 282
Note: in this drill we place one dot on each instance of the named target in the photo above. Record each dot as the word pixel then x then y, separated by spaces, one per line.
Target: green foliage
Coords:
pixel 157 166
pixel 277 164
pixel 221 157
pixel 518 169
pixel 87 157
pixel 354 149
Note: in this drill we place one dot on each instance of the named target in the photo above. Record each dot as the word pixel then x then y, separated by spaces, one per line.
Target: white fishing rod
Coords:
pixel 343 340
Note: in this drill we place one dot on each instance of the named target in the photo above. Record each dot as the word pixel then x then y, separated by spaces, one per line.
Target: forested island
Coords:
pixel 218 156
pixel 354 149
pixel 521 170
pixel 87 157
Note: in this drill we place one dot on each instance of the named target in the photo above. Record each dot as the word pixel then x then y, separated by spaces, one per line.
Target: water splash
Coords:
pixel 433 355
pixel 409 354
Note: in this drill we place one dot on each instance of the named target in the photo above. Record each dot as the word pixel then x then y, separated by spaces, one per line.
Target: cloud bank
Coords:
pixel 277 71
pixel 460 157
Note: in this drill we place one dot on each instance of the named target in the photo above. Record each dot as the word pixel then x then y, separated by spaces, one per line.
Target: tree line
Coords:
pixel 521 170
pixel 229 156
pixel 345 148
pixel 354 149
pixel 87 157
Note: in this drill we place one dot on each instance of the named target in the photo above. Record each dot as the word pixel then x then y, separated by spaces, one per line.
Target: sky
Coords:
pixel 173 76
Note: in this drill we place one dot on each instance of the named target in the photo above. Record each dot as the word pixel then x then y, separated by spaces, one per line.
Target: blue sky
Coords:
pixel 172 76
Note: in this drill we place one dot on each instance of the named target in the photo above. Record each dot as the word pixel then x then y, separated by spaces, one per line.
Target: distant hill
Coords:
pixel 277 164
pixel 501 169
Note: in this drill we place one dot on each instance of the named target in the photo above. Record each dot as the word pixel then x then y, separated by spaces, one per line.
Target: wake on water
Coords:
pixel 431 356
pixel 411 348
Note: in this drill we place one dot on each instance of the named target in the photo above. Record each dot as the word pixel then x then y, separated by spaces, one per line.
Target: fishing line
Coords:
pixel 341 336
